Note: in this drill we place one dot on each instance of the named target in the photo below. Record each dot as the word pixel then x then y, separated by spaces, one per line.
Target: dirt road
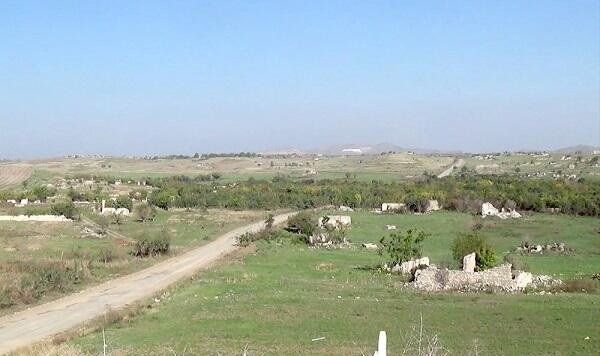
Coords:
pixel 456 164
pixel 41 322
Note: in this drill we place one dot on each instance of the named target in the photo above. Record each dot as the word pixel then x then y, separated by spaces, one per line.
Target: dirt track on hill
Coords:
pixel 456 164
pixel 41 322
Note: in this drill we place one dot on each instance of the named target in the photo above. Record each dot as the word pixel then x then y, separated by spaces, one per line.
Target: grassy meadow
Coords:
pixel 282 296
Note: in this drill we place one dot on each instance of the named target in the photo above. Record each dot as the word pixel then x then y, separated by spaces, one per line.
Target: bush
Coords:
pixel 67 209
pixel 268 235
pixel 474 242
pixel 303 223
pixel 401 247
pixel 152 244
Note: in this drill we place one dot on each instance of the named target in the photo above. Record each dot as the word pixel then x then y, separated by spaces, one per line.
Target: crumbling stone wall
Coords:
pixel 43 218
pixel 434 279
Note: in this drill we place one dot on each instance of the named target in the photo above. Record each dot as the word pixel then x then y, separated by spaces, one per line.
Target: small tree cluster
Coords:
pixel 67 209
pixel 476 242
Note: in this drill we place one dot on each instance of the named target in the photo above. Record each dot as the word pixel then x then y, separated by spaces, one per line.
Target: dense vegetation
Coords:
pixel 455 193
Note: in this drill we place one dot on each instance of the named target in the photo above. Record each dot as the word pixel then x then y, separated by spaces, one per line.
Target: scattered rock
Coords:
pixel 487 209
pixel 554 247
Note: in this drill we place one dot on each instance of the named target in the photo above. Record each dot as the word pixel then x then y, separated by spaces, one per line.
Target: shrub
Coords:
pixel 106 254
pixel 152 244
pixel 304 223
pixel 67 209
pixel 474 242
pixel 102 222
pixel 400 247
pixel 266 235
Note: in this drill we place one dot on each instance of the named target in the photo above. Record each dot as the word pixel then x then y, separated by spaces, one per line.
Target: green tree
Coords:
pixel 123 201
pixel 304 223
pixel 402 246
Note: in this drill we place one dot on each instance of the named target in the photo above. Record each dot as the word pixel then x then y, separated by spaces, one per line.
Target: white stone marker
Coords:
pixel 469 263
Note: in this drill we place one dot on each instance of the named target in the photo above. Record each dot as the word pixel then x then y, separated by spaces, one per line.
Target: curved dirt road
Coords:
pixel 38 323
pixel 456 164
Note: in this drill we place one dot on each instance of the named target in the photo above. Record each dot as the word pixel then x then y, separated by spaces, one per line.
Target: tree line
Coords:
pixel 465 193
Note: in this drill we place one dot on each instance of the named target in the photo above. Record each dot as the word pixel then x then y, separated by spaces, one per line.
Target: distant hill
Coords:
pixel 365 149
pixel 284 151
pixel 585 149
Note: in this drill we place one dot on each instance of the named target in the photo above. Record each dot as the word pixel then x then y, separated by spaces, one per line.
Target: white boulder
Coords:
pixel 392 206
pixel 487 209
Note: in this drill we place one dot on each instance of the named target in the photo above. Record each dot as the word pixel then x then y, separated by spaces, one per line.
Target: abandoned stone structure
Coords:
pixel 335 221
pixel 42 218
pixel 501 278
pixel 407 267
pixel 113 211
pixel 487 209
pixel 432 205
pixel 392 206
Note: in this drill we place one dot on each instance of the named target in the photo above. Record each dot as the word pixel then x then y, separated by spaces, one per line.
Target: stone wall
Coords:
pixel 434 279
pixel 42 218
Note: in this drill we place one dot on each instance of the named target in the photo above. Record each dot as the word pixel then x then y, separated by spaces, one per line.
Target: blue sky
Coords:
pixel 151 77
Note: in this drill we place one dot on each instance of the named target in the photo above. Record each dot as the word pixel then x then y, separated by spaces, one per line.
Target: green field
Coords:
pixel 279 298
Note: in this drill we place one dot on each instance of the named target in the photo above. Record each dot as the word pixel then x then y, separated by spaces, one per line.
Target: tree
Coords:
pixel 123 201
pixel 144 212
pixel 401 247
